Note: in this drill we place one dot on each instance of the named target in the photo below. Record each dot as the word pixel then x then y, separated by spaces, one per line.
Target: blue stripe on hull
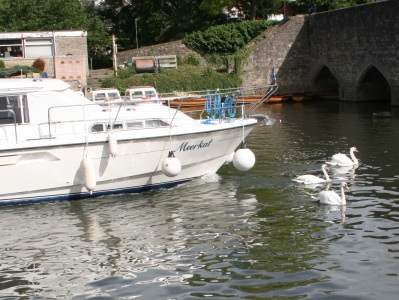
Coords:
pixel 88 195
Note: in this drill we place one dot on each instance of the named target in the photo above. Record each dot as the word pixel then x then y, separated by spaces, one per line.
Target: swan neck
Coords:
pixel 326 174
pixel 353 157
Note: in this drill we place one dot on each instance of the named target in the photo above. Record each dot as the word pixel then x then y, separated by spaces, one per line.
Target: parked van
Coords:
pixel 141 93
pixel 105 95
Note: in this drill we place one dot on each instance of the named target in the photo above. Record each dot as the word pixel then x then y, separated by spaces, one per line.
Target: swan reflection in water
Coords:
pixel 343 172
pixel 325 210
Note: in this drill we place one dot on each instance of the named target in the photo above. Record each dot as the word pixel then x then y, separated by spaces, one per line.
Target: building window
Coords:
pixel 11 48
pixel 38 48
pixel 28 48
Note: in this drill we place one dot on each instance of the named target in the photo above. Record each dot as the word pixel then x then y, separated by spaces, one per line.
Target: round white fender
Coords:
pixel 229 158
pixel 90 176
pixel 244 159
pixel 171 166
pixel 112 144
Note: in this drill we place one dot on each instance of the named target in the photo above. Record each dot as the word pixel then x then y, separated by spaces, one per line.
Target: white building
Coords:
pixel 64 52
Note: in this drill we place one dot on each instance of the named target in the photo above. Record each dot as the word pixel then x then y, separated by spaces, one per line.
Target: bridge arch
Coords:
pixel 372 85
pixel 324 81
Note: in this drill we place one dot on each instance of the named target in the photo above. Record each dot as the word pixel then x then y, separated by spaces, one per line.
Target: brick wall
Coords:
pixel 71 61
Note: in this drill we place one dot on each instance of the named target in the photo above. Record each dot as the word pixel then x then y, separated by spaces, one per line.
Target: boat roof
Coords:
pixel 105 89
pixel 18 86
pixel 140 87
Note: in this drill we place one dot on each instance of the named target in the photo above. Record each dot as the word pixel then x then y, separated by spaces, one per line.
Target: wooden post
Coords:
pixel 114 55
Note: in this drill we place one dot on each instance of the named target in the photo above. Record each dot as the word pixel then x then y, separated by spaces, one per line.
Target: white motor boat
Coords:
pixel 56 144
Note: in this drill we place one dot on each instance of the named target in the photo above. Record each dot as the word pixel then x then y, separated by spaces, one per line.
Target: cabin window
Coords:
pixel 155 123
pixel 116 126
pixel 97 128
pixel 105 127
pixel 135 124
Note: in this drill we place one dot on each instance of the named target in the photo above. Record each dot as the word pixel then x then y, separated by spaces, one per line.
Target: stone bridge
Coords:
pixel 352 53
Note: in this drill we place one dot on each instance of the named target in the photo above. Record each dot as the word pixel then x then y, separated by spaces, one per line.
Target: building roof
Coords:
pixel 40 34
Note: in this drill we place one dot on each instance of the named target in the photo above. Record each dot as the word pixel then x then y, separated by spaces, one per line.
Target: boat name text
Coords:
pixel 185 146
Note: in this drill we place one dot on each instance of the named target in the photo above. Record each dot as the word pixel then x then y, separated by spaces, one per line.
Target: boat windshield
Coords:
pixel 13 109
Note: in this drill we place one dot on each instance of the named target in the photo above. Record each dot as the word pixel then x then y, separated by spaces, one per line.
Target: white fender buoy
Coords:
pixel 229 158
pixel 244 159
pixel 112 144
pixel 171 166
pixel 90 176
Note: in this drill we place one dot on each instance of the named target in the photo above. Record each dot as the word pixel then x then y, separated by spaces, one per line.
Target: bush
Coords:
pixel 126 72
pixel 39 64
pixel 16 70
pixel 226 39
pixel 2 65
pixel 192 59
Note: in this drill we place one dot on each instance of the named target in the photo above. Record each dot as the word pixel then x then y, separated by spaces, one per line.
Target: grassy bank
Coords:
pixel 184 78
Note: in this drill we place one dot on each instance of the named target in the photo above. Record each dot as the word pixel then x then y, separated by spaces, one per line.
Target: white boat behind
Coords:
pixel 57 145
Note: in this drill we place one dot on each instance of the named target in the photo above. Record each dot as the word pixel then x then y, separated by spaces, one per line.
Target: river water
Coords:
pixel 233 235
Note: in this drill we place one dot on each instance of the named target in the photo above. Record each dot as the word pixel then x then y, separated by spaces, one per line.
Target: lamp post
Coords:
pixel 137 41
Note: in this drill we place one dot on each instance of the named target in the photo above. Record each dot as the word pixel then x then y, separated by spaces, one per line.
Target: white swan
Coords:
pixel 342 160
pixel 331 197
pixel 311 179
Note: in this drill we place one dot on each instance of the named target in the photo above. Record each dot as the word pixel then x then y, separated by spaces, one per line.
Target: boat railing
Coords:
pixel 221 103
pixel 80 123
pixel 271 89
pixel 50 121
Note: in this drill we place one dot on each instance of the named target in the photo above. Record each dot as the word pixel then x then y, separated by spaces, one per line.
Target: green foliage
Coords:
pixel 16 70
pixel 185 78
pixel 126 72
pixel 214 7
pixel 2 65
pixel 192 59
pixel 226 39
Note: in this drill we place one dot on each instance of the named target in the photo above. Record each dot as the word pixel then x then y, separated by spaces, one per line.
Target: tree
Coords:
pixel 158 21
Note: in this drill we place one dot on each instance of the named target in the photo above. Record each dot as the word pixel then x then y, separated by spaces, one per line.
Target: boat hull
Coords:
pixel 55 172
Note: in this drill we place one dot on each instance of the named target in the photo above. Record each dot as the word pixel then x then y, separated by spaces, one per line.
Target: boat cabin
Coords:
pixel 107 94
pixel 141 93
pixel 14 100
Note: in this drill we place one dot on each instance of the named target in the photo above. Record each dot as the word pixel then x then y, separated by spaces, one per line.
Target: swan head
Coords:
pixel 353 149
pixel 344 185
pixel 325 167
